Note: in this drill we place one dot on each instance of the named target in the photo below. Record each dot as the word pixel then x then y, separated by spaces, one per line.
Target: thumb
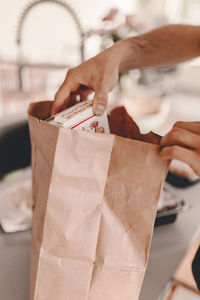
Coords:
pixel 100 103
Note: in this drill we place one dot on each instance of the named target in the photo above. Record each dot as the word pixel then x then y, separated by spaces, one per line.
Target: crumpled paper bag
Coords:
pixel 95 199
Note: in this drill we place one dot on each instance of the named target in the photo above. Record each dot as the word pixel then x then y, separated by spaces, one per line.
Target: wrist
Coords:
pixel 126 54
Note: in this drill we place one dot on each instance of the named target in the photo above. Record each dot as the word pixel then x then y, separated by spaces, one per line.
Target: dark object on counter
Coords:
pixel 165 220
pixel 170 205
pixel 15 150
pixel 196 268
pixel 178 181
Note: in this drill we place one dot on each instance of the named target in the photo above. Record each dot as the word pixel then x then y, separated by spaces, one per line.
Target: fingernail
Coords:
pixel 99 109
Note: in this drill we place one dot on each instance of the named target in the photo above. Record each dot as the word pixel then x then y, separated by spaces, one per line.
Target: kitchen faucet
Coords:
pixel 19 40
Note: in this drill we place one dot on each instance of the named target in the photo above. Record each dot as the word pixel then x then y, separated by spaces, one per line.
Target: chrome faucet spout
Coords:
pixel 21 23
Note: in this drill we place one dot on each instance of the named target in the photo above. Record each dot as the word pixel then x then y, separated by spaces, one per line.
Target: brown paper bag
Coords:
pixel 95 198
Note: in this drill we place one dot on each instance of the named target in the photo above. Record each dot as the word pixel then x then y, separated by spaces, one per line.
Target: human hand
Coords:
pixel 99 75
pixel 183 143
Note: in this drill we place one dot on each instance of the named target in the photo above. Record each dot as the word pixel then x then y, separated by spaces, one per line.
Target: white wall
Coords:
pixel 49 33
pixel 151 8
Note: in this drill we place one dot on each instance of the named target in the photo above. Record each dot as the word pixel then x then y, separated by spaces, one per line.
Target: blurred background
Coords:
pixel 39 41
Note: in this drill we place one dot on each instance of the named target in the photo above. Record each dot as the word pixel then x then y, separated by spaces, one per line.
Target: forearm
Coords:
pixel 164 46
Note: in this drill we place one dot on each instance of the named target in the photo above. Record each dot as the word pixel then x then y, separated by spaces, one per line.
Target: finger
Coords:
pixel 100 102
pixel 63 95
pixel 61 98
pixel 190 126
pixel 70 101
pixel 181 137
pixel 187 156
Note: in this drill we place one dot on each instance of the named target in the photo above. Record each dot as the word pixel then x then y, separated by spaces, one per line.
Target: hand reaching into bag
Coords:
pixel 183 143
pixel 99 75
pixel 160 47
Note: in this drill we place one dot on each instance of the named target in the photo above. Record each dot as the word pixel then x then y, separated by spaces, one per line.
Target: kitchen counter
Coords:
pixel 169 244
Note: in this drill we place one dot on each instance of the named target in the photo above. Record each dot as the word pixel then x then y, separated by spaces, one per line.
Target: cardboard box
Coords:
pixel 81 117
